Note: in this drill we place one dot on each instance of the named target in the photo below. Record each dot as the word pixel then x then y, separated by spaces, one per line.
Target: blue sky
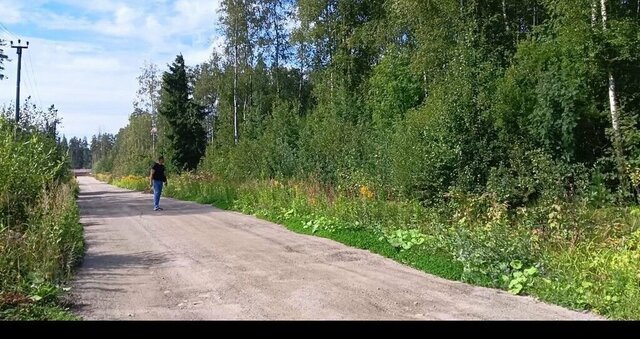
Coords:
pixel 84 55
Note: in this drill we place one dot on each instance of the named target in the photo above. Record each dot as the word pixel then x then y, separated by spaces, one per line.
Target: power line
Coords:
pixel 11 35
pixel 30 85
pixel 35 81
pixel 29 82
pixel 8 34
pixel 32 82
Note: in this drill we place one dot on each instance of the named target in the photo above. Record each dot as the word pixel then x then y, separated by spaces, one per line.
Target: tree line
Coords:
pixel 528 100
pixel 36 119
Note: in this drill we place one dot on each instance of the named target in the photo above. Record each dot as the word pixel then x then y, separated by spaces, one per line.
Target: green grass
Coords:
pixel 440 264
pixel 37 260
pixel 48 310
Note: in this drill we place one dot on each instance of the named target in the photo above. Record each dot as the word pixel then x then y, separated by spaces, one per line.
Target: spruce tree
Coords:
pixel 186 133
pixel 3 57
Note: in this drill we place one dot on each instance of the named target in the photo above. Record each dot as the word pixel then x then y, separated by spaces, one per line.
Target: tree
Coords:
pixel 64 145
pixel 148 94
pixel 34 118
pixel 148 97
pixel 102 146
pixel 76 153
pixel 3 57
pixel 207 91
pixel 79 152
pixel 274 36
pixel 185 118
pixel 238 26
pixel 86 154
pixel 51 122
pixel 613 105
pixel 419 97
pixel 132 151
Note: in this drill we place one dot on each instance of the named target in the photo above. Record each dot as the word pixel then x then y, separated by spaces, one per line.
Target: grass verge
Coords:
pixel 37 258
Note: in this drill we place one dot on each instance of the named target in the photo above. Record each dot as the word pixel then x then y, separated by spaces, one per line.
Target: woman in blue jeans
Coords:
pixel 158 178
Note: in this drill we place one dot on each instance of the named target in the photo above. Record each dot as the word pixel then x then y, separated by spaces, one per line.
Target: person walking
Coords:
pixel 158 179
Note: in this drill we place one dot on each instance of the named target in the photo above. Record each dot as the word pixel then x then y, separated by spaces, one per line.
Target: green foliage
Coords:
pixel 322 223
pixel 102 152
pixel 29 162
pixel 79 152
pixel 321 155
pixel 51 311
pixel 484 238
pixel 184 117
pixel 548 94
pixel 280 141
pixel 35 260
pixel 3 57
pixel 533 176
pixel 133 182
pixel 132 150
pixel 520 278
pixel 34 118
pixel 423 155
pixel 41 238
pixel 393 89
pixel 404 239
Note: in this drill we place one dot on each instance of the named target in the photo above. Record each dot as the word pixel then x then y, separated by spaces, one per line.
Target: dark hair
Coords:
pixel 161 158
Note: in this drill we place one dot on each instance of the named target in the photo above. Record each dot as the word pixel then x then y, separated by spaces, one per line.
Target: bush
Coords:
pixel 27 163
pixel 35 262
pixel 533 176
pixel 487 241
pixel 41 238
pixel 133 182
pixel 104 177
pixel 601 274
pixel 423 156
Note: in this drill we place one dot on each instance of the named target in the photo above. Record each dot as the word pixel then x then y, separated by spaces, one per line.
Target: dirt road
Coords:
pixel 193 261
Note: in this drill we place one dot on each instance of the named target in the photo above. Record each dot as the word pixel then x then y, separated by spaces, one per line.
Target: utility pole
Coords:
pixel 19 49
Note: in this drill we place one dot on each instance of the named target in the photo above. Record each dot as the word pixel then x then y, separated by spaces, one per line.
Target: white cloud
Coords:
pixel 11 13
pixel 89 70
pixel 80 79
pixel 157 22
pixel 195 14
pixel 123 23
pixel 219 45
pixel 65 22
pixel 92 64
pixel 199 56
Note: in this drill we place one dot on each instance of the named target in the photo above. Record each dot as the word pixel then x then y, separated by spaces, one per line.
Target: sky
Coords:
pixel 84 55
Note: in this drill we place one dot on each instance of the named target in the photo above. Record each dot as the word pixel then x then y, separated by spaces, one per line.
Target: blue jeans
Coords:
pixel 157 191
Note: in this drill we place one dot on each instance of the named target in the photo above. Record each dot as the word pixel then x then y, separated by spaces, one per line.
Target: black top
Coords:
pixel 158 173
